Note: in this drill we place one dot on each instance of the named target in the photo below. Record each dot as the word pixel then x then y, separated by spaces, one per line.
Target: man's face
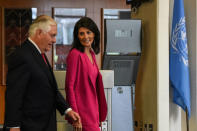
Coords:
pixel 47 39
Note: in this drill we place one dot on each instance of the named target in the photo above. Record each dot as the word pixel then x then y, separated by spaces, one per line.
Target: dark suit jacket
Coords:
pixel 31 95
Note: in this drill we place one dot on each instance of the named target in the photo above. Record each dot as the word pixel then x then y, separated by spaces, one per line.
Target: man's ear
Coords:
pixel 39 32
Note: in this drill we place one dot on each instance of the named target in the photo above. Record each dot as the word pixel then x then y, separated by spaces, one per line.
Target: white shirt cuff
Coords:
pixel 69 109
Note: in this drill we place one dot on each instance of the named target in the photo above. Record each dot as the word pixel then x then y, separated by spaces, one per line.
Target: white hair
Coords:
pixel 42 22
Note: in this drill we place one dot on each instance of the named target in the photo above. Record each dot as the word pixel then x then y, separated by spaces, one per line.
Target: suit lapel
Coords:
pixel 51 71
pixel 38 58
pixel 94 60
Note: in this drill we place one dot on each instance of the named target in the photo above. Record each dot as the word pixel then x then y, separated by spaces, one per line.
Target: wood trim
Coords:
pixel 52 63
pixel 102 36
pixel 2 77
pixel 3 80
pixel 1 62
pixel 2 103
pixel 3 50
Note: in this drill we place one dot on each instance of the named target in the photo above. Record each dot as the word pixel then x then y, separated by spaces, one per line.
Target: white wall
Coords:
pixel 162 65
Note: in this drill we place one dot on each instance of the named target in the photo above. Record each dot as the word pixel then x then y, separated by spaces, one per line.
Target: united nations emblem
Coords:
pixel 179 41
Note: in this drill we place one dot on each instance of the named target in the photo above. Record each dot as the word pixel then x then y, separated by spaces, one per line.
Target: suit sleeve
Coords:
pixel 62 105
pixel 71 77
pixel 17 79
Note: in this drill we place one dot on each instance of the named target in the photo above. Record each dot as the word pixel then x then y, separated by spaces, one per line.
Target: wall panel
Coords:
pixel 146 84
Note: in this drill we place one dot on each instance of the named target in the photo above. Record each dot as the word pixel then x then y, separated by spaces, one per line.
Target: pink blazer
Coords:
pixel 90 103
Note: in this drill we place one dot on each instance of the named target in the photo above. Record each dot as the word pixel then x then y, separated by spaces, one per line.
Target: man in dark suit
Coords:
pixel 32 96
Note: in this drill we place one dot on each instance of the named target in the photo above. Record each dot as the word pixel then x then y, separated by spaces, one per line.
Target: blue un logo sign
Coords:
pixel 179 41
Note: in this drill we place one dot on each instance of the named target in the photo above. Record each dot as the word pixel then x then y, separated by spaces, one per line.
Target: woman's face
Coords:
pixel 86 36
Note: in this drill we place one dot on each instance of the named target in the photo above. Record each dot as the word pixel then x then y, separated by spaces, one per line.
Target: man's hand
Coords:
pixel 74 116
pixel 77 126
pixel 14 129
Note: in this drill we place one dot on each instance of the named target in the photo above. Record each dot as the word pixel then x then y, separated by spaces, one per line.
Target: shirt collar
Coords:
pixel 34 44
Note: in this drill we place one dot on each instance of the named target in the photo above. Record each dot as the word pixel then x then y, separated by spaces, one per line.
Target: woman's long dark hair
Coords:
pixel 88 23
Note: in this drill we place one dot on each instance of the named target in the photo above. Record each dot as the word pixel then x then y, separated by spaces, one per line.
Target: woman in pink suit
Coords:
pixel 84 86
